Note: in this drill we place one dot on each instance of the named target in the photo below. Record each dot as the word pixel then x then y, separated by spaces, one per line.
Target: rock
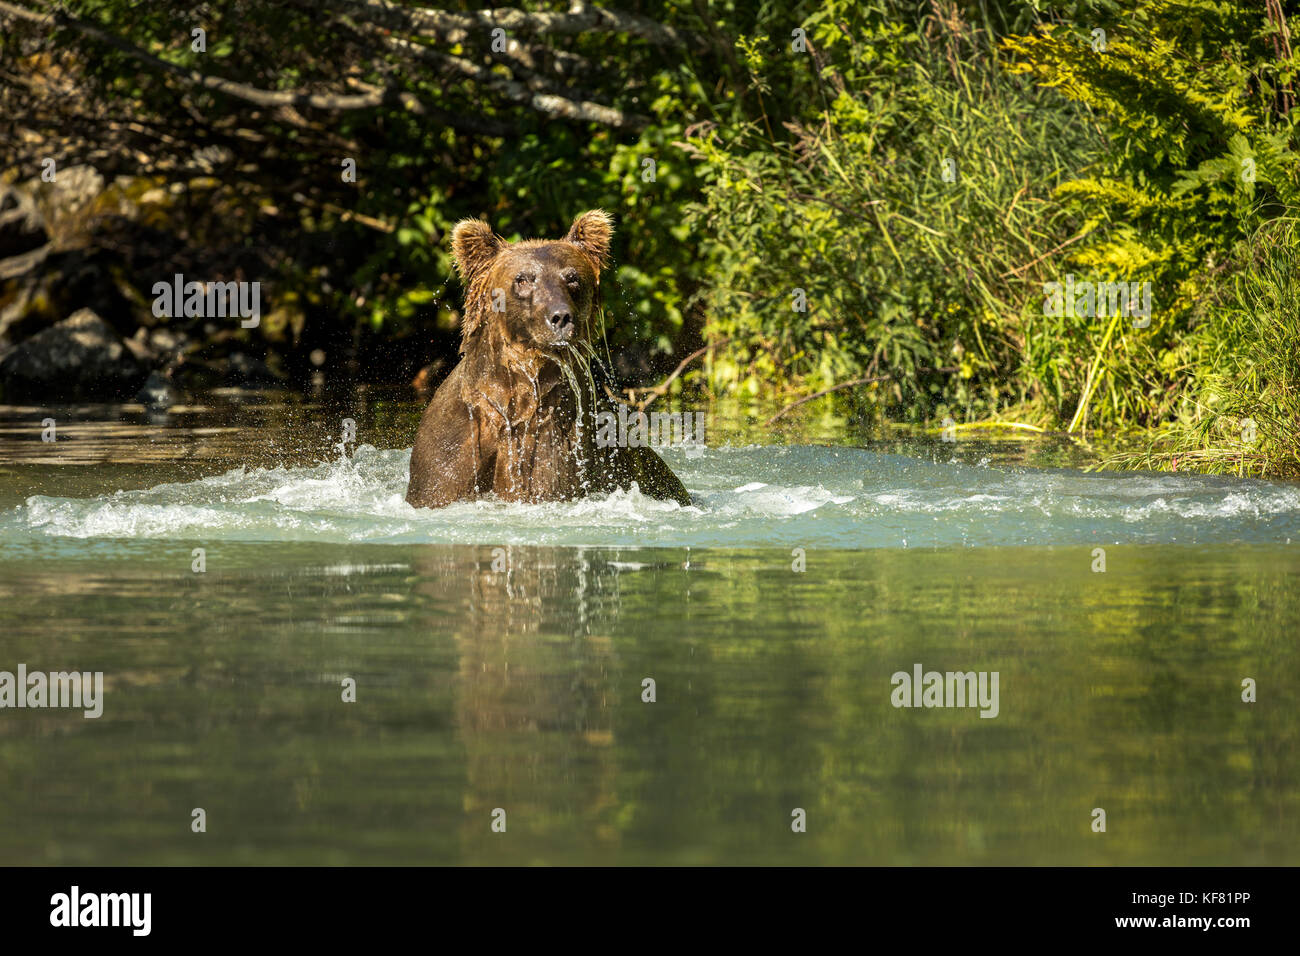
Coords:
pixel 197 375
pixel 248 371
pixel 78 358
pixel 158 392
pixel 73 190
pixel 141 347
pixel 166 341
pixel 22 227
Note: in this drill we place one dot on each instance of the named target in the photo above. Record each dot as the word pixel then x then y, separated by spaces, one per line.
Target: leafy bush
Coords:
pixel 908 273
pixel 1194 97
pixel 1243 412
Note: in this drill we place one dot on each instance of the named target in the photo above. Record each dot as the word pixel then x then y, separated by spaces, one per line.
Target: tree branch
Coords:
pixel 549 103
pixel 655 391
pixel 332 102
pixel 826 391
pixel 457 27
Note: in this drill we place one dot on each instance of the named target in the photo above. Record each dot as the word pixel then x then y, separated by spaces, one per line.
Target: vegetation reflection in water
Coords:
pixel 521 689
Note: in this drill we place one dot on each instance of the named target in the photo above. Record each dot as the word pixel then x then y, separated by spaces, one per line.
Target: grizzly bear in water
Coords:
pixel 517 416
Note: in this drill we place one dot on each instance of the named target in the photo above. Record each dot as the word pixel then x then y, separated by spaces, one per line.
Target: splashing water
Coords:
pixel 793 496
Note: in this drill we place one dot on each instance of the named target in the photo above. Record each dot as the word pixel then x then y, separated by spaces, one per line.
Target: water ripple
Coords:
pixel 791 496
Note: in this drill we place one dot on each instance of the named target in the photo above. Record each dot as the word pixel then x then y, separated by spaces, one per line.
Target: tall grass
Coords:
pixel 1242 411
pixel 911 202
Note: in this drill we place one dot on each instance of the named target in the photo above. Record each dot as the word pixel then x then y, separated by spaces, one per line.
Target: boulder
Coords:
pixel 158 392
pixel 70 197
pixel 80 358
pixel 249 371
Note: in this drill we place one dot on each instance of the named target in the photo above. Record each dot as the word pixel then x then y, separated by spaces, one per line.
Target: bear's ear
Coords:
pixel 590 232
pixel 474 245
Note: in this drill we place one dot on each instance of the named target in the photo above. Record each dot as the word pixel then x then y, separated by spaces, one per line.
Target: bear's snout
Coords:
pixel 553 311
pixel 561 323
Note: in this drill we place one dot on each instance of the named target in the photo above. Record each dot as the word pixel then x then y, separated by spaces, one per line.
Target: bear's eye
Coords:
pixel 571 276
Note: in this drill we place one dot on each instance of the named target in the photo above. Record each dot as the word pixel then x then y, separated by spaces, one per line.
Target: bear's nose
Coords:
pixel 560 320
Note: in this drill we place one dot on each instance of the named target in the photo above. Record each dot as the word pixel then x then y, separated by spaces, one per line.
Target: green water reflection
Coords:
pixel 480 689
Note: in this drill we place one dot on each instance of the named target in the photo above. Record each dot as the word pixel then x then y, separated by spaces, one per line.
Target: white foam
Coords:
pixel 798 495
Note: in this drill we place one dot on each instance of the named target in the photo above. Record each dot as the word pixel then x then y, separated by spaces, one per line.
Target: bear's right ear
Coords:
pixel 590 232
pixel 474 245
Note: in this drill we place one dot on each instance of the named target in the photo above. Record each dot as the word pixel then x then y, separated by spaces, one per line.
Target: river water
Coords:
pixel 501 654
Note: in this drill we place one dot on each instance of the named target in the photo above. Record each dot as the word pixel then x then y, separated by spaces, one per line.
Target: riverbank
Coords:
pixel 876 208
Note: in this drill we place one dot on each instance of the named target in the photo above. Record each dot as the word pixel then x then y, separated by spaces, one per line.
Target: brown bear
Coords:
pixel 516 418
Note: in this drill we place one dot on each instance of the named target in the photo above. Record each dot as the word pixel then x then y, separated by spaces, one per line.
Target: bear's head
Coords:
pixel 539 293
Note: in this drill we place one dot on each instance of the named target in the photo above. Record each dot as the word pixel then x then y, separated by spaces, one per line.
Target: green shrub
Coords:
pixel 906 274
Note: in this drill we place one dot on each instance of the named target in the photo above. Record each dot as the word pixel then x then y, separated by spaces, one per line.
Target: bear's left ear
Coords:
pixel 590 232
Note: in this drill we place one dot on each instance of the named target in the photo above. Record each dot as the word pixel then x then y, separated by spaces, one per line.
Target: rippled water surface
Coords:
pixel 500 653
pixel 751 496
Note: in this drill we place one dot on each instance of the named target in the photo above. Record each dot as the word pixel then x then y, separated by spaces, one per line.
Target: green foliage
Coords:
pixel 783 175
pixel 383 239
pixel 1243 414
pixel 906 274
pixel 1188 94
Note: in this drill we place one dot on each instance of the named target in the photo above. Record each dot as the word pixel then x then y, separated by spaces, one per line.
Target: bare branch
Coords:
pixel 657 390
pixel 333 102
pixel 550 103
pixel 457 27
